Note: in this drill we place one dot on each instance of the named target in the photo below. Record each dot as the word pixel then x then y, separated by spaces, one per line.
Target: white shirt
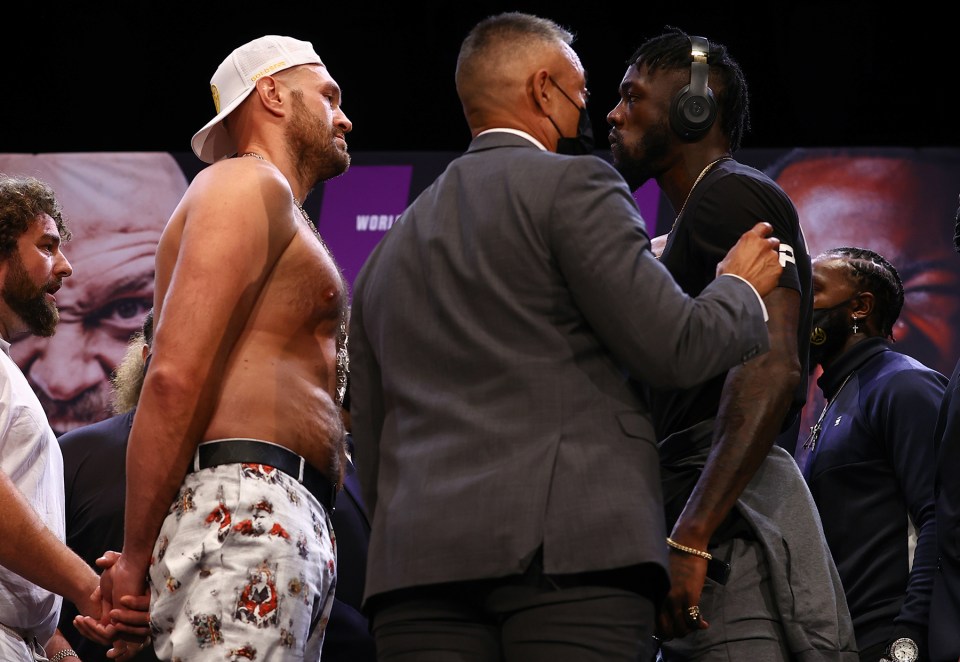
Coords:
pixel 30 456
pixel 516 132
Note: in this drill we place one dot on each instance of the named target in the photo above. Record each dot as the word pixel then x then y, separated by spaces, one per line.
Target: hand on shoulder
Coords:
pixel 755 258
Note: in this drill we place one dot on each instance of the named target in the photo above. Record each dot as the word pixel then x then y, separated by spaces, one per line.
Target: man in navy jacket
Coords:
pixel 869 460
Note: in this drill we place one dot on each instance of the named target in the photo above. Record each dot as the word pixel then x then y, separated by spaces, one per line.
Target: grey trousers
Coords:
pixel 744 622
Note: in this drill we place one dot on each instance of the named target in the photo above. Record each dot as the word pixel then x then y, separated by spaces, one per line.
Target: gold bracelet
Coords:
pixel 689 550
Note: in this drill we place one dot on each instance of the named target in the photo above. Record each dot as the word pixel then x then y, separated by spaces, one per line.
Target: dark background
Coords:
pixel 134 76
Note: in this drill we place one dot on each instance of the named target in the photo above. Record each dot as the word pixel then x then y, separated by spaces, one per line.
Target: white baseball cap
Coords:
pixel 236 77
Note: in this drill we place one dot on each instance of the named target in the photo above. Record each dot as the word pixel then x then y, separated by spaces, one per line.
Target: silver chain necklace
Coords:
pixel 343 355
pixel 811 442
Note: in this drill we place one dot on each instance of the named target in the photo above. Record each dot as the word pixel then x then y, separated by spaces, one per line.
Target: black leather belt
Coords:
pixel 250 451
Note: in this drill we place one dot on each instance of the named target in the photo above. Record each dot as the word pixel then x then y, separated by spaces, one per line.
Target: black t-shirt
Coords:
pixel 727 202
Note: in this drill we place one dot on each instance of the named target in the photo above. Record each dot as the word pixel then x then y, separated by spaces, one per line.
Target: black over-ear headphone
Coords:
pixel 694 109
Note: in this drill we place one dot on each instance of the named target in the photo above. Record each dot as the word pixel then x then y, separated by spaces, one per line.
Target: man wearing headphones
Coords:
pixel 751 577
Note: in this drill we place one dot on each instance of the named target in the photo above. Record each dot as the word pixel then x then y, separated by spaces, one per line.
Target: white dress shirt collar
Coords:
pixel 516 132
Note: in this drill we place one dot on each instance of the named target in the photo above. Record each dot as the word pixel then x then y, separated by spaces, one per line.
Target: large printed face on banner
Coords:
pixel 116 205
pixel 900 204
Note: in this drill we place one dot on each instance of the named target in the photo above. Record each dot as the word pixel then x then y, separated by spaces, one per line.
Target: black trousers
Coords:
pixel 591 617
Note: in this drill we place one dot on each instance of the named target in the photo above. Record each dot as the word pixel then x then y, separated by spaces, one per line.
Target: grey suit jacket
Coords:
pixel 492 332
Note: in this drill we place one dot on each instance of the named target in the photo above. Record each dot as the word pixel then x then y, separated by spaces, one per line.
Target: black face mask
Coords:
pixel 828 332
pixel 583 142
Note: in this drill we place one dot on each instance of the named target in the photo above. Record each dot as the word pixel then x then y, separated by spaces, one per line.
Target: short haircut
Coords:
pixel 496 36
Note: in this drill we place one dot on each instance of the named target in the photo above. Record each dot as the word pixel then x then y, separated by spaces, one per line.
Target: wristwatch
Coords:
pixel 903 650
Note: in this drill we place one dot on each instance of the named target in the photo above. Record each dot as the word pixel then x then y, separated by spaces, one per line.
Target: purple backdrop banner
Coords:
pixel 358 208
pixel 648 200
pixel 362 204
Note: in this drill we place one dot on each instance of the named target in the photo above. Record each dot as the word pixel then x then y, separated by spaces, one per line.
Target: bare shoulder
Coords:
pixel 238 193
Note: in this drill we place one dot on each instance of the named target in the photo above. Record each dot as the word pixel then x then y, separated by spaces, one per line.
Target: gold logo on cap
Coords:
pixel 269 69
pixel 216 97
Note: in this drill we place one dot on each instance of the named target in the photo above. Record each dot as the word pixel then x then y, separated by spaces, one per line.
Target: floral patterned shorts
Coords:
pixel 244 569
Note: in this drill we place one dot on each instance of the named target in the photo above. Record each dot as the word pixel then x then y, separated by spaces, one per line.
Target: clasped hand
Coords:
pixel 125 609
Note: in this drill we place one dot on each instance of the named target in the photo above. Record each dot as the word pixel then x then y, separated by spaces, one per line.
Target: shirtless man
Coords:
pixel 243 393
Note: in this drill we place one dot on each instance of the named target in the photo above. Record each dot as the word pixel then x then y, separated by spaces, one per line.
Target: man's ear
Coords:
pixel 864 304
pixel 542 91
pixel 268 89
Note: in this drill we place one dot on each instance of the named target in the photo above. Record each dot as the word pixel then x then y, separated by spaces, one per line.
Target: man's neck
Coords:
pixel 10 327
pixel 678 181
pixel 288 171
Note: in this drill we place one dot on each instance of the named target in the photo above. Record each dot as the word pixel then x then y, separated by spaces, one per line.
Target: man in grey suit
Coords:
pixel 508 462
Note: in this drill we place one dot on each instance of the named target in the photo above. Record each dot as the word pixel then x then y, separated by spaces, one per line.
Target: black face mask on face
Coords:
pixel 583 142
pixel 828 332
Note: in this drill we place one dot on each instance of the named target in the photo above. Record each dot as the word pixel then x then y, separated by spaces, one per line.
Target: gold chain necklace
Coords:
pixel 343 355
pixel 703 173
pixel 811 442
